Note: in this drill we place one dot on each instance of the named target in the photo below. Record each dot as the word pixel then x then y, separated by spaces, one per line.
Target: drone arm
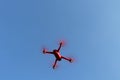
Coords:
pixel 54 65
pixel 49 52
pixel 45 51
pixel 59 47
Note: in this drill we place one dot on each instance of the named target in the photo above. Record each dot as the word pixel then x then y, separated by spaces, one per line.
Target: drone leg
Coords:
pixel 68 59
pixel 54 65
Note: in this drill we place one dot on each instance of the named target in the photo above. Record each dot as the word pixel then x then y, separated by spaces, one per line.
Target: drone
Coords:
pixel 58 56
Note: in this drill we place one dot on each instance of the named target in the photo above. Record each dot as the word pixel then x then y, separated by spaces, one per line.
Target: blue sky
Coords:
pixel 91 29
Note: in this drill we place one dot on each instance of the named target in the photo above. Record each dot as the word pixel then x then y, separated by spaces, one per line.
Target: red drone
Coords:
pixel 58 56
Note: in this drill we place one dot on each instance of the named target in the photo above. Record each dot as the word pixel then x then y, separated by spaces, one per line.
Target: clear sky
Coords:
pixel 91 29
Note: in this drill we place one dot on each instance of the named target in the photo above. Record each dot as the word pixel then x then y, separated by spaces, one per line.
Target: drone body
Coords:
pixel 58 56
